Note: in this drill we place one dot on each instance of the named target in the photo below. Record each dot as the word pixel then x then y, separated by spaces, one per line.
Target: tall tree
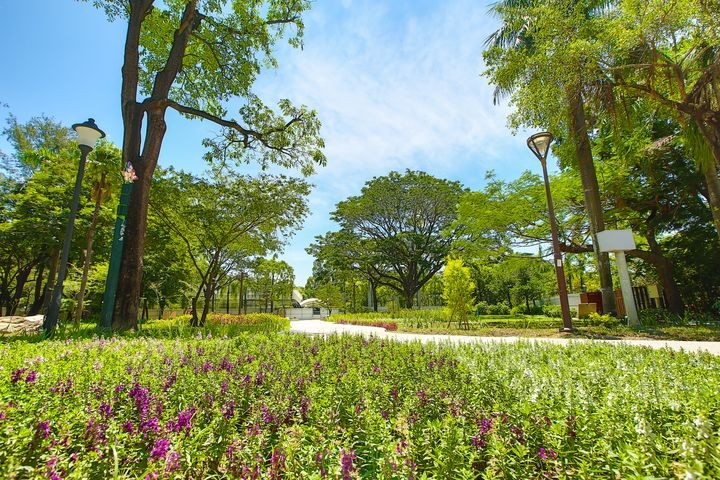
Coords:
pixel 193 56
pixel 541 51
pixel 407 224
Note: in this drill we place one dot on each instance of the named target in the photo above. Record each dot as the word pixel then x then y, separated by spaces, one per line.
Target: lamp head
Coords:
pixel 539 144
pixel 88 133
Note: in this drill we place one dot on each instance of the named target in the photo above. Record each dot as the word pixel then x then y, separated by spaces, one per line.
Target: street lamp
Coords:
pixel 539 144
pixel 88 134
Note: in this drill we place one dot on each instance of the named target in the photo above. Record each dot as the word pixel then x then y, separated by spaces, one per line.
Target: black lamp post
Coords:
pixel 88 134
pixel 540 146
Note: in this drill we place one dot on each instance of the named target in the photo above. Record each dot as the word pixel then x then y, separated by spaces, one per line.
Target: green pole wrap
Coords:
pixel 115 259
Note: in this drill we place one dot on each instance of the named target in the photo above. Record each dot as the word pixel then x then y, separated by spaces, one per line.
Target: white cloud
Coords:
pixel 393 92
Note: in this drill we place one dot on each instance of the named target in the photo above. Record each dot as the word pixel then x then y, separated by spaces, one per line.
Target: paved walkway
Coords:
pixel 321 327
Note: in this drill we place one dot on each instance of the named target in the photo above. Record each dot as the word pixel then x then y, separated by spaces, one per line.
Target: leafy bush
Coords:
pixel 554 311
pixel 595 319
pixel 295 406
pixel 484 308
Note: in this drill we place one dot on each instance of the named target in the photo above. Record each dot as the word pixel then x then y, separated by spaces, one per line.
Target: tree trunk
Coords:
pixel 52 273
pixel 666 272
pixel 130 278
pixel 592 192
pixel 21 280
pixel 38 298
pixel 89 251
pixel 713 186
pixel 241 293
pixel 209 294
pixel 408 298
pixel 710 130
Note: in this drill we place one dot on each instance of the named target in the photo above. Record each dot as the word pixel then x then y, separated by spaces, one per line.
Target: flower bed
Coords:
pixel 292 406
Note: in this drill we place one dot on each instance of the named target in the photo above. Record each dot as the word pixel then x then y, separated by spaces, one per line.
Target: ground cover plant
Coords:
pixel 295 406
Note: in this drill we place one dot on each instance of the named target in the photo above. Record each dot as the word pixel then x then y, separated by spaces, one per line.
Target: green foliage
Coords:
pixel 483 308
pixel 401 227
pixel 457 292
pixel 305 407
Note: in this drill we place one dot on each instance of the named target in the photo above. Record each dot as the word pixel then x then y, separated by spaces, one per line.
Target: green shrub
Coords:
pixel 597 320
pixel 389 325
pixel 484 308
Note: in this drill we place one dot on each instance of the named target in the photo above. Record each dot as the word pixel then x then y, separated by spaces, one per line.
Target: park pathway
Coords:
pixel 320 327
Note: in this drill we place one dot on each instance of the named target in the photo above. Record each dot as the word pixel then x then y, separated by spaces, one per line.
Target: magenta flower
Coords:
pixel 183 422
pixel 546 454
pixel 173 462
pixel 44 428
pixel 31 377
pixel 128 427
pixel 105 410
pixel 346 463
pixel 160 449
pixel 16 375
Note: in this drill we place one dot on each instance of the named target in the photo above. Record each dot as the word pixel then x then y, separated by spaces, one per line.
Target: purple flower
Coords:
pixel 485 425
pixel 55 476
pixel 44 428
pixel 128 427
pixel 207 366
pixel 225 364
pixel 170 382
pixel 152 476
pixel 31 377
pixel 228 410
pixel 267 416
pixel 173 462
pixel 478 442
pixel 105 410
pixel 184 421
pixel 304 406
pixel 548 453
pixel 277 463
pixel 160 449
pixel 346 463
pixel 16 375
pixel 141 398
pixel 319 463
pixel 151 425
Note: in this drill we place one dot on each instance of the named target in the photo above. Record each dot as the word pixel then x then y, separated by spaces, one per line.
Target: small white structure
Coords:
pixel 308 309
pixel 309 313
pixel 618 241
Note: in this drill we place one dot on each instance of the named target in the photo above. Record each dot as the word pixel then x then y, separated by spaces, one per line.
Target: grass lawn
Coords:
pixel 186 404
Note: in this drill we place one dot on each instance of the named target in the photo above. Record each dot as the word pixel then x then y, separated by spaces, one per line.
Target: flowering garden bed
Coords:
pixel 291 406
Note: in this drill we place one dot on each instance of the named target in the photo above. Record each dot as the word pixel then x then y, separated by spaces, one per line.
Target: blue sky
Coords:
pixel 397 84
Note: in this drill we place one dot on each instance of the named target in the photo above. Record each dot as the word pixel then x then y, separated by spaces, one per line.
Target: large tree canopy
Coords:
pixel 193 56
pixel 405 224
